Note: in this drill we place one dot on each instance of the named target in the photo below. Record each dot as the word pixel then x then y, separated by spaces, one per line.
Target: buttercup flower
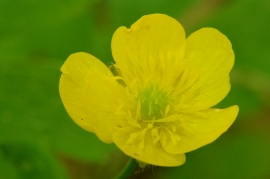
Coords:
pixel 156 102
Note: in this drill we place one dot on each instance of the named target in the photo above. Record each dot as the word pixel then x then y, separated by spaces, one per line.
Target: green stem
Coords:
pixel 127 170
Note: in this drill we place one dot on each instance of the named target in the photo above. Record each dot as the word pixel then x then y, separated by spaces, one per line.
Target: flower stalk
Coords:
pixel 128 170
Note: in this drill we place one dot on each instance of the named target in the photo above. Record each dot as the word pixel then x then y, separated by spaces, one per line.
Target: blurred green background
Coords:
pixel 39 140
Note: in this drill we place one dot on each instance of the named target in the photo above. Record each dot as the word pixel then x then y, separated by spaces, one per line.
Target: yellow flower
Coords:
pixel 156 102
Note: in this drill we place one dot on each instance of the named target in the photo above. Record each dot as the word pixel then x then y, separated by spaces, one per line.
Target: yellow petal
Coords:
pixel 209 54
pixel 151 153
pixel 72 85
pixel 150 49
pixel 196 131
pixel 103 96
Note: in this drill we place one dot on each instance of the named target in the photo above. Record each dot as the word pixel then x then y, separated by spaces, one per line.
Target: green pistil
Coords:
pixel 153 103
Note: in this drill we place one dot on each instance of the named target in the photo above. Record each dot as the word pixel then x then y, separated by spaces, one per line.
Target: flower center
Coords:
pixel 153 103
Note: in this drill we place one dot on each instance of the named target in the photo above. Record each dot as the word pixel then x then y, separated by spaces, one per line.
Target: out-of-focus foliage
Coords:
pixel 39 140
pixel 28 162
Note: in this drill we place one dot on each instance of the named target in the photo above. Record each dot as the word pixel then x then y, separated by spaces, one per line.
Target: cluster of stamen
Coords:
pixel 151 118
pixel 152 103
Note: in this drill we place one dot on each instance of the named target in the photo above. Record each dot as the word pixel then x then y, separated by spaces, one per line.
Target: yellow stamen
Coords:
pixel 138 109
pixel 134 123
pixel 167 110
pixel 142 133
pixel 149 126
pixel 163 138
pixel 132 138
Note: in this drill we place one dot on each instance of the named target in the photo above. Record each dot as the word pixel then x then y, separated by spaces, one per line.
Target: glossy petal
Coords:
pixel 103 96
pixel 72 85
pixel 151 154
pixel 196 131
pixel 209 54
pixel 151 49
